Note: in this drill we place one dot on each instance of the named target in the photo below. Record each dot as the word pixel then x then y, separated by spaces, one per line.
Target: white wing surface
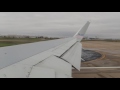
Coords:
pixel 47 59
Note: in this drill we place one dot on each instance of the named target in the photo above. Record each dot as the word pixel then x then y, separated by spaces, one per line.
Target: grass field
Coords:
pixel 16 41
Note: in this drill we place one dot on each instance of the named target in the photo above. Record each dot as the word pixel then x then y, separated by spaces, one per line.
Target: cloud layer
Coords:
pixel 103 24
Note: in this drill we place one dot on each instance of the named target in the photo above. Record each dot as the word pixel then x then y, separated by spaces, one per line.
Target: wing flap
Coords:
pixel 62 49
pixel 61 75
pixel 57 64
pixel 16 71
pixel 39 72
pixel 36 58
pixel 73 56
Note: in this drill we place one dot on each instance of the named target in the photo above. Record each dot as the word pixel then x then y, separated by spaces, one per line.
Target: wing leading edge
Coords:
pixel 54 61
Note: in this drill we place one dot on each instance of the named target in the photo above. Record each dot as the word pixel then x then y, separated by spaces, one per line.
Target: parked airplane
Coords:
pixel 47 59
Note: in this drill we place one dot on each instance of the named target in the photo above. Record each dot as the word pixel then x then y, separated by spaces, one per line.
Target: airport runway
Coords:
pixel 108 66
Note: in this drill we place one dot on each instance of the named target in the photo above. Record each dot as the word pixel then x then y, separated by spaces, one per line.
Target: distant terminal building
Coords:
pixel 26 36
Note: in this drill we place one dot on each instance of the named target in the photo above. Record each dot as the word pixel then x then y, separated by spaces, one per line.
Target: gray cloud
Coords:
pixel 65 24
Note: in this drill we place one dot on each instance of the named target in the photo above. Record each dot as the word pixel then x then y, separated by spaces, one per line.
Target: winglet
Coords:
pixel 80 34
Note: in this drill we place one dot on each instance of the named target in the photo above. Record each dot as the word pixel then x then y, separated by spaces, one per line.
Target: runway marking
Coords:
pixel 99 67
pixel 117 55
pixel 102 57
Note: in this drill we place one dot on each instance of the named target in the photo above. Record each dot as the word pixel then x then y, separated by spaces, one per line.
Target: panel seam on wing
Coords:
pixel 67 50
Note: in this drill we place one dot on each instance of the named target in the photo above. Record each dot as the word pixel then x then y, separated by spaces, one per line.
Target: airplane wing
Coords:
pixel 47 59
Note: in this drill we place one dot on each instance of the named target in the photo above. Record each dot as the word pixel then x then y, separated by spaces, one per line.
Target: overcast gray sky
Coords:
pixel 65 24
